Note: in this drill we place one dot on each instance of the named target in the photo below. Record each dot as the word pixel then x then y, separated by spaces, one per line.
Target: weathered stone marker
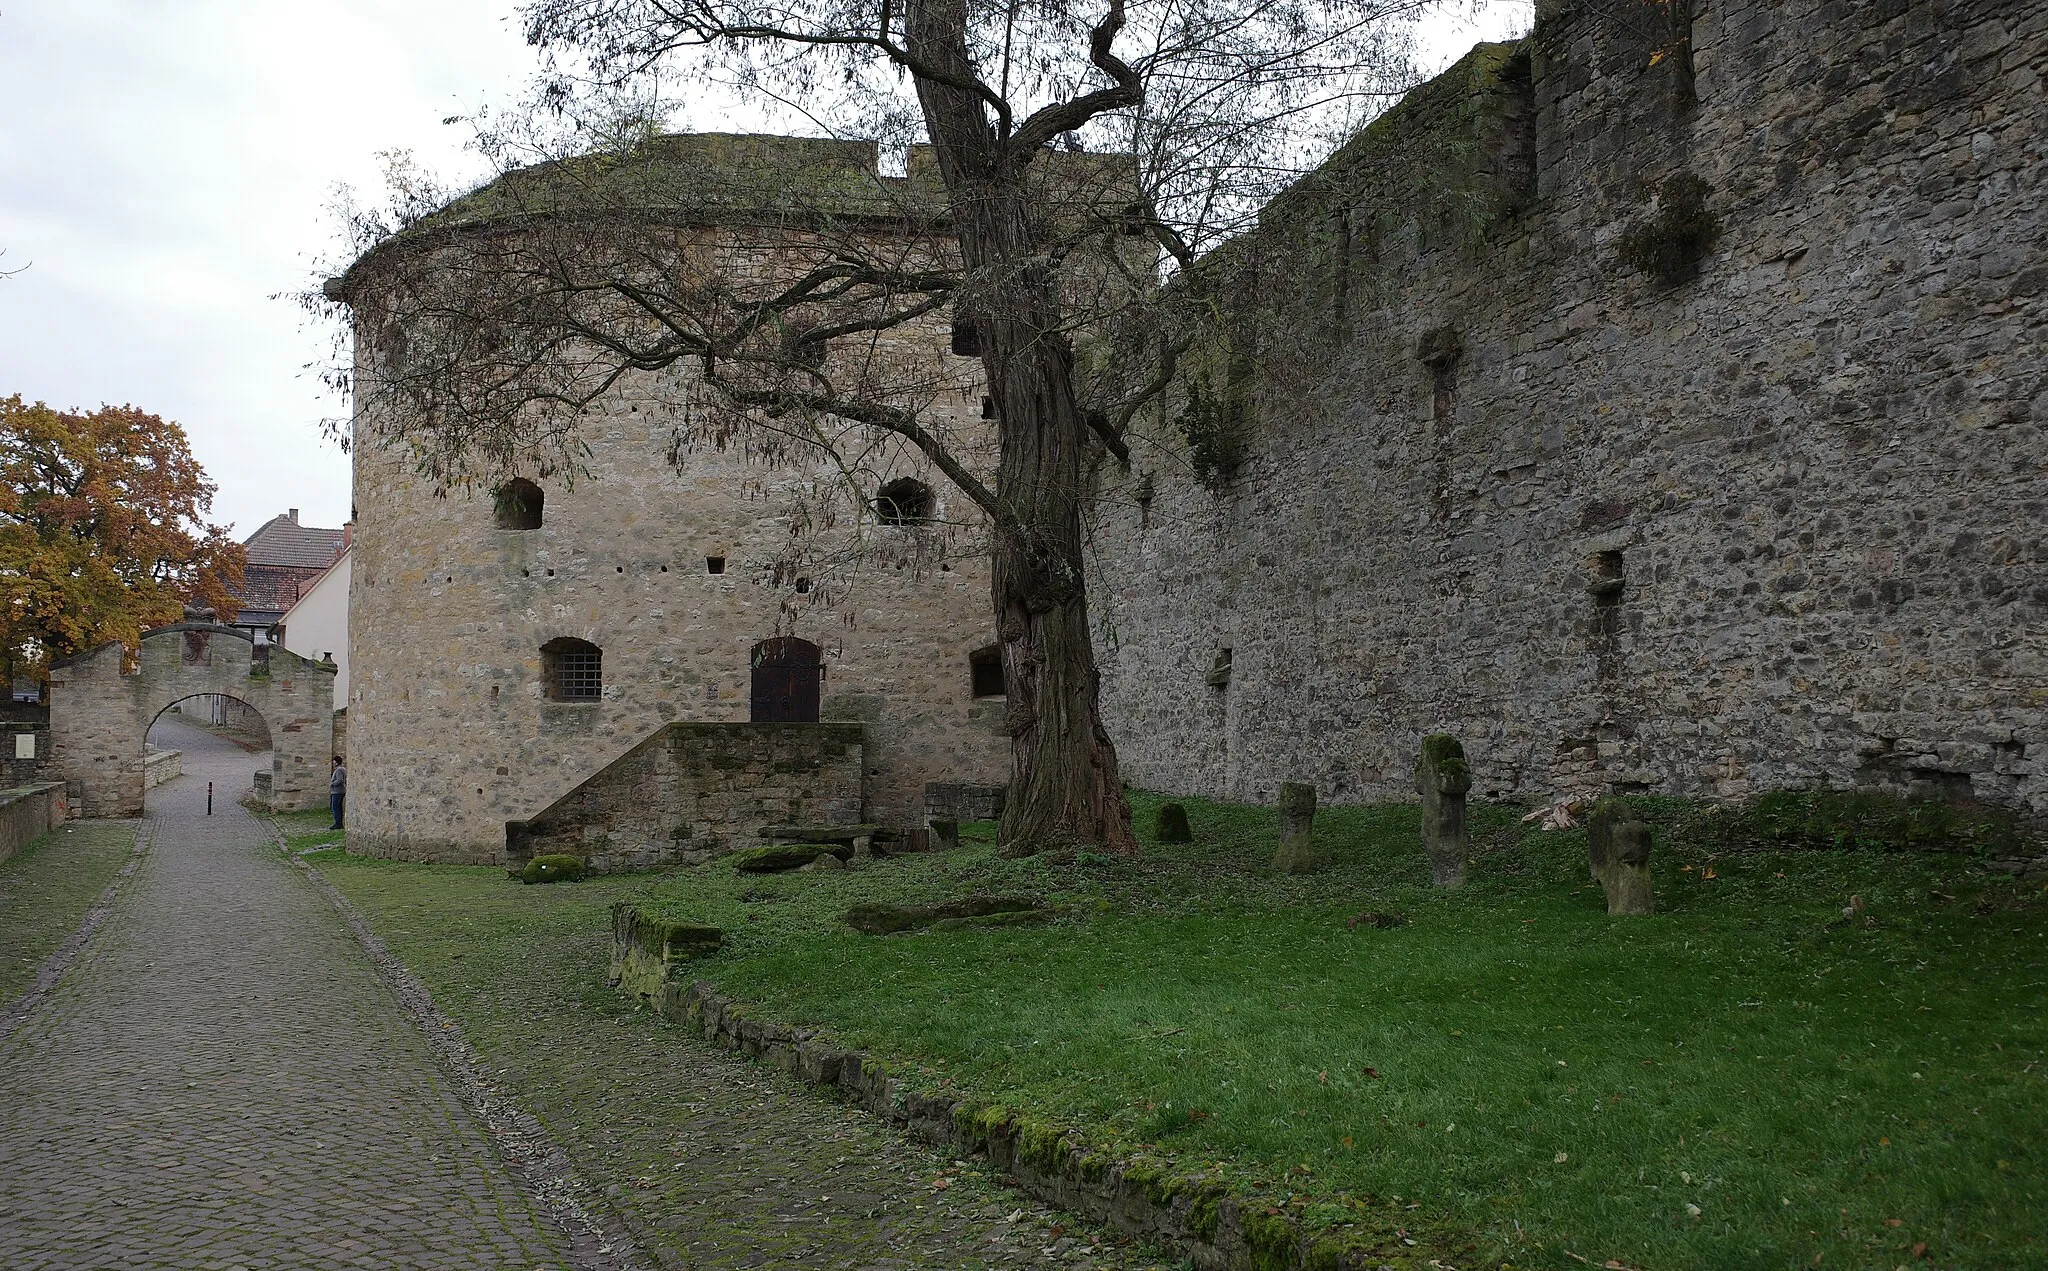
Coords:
pixel 1442 778
pixel 945 833
pixel 1170 824
pixel 1618 854
pixel 1297 851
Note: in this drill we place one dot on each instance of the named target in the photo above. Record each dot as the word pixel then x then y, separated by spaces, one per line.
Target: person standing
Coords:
pixel 337 791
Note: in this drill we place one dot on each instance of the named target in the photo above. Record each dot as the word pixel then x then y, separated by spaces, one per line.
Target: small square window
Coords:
pixel 714 564
pixel 985 670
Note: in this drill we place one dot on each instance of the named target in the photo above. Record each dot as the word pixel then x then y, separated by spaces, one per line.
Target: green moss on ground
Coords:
pixel 45 890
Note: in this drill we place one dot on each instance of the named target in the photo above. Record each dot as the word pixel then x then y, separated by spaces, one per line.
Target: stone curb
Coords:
pixel 1199 1215
pixel 597 1236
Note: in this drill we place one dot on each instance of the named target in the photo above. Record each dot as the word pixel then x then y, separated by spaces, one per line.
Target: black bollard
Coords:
pixel 209 798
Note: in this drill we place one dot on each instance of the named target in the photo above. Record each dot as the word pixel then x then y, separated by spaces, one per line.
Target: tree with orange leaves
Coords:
pixel 102 531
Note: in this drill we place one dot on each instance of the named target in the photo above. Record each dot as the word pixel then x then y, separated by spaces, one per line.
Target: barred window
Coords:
pixel 573 670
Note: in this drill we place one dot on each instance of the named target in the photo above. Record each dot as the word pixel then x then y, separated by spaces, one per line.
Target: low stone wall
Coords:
pixel 159 766
pixel 24 744
pixel 694 791
pixel 27 813
pixel 963 801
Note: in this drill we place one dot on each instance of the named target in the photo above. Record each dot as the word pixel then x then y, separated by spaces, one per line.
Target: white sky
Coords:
pixel 165 168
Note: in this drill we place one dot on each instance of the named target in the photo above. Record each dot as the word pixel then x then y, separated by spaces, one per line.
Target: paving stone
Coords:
pixel 222 1080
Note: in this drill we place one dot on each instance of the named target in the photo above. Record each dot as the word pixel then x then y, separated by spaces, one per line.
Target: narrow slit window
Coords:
pixel 985 669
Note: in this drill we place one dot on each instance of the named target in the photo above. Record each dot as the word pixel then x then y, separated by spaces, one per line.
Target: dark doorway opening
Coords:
pixel 788 674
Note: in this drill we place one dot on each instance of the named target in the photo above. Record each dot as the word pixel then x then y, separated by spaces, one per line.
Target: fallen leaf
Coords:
pixel 1324 1076
pixel 1374 1073
pixel 1346 1141
pixel 1920 1249
pixel 1559 1159
pixel 1708 872
pixel 1894 1222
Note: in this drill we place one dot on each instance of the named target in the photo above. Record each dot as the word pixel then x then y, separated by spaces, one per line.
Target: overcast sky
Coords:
pixel 165 168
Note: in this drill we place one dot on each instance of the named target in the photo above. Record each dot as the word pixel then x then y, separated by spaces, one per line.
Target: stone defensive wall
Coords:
pixel 1655 404
pixel 668 560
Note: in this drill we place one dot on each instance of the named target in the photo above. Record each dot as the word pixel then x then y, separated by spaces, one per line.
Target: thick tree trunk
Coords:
pixel 1064 790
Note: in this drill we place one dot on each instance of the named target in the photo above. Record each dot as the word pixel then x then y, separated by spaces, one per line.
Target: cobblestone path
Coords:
pixel 222 1081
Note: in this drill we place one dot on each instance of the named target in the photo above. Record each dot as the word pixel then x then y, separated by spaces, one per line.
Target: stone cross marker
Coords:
pixel 1170 824
pixel 1442 778
pixel 1618 854
pixel 1297 851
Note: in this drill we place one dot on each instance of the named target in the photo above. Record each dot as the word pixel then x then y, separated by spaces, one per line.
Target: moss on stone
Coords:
pixel 1878 819
pixel 1170 824
pixel 778 857
pixel 1039 1145
pixel 1269 1239
pixel 553 868
pixel 1444 755
pixel 879 919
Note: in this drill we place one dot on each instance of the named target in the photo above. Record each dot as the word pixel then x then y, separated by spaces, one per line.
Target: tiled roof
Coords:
pixel 272 588
pixel 283 541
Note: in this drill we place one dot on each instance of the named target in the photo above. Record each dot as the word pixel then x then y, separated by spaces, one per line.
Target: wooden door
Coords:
pixel 788 674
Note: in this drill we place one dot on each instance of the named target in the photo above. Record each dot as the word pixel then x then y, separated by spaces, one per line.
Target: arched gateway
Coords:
pixel 99 711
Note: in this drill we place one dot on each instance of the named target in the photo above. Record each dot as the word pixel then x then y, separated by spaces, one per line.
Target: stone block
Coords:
pixel 1443 778
pixel 1297 853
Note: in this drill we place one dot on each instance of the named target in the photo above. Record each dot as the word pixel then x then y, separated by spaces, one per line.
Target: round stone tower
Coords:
pixel 511 639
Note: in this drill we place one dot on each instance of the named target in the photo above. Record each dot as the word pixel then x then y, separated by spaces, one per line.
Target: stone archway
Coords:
pixel 99 711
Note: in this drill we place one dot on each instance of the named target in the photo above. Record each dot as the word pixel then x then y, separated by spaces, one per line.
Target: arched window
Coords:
pixel 904 501
pixel 572 669
pixel 985 668
pixel 788 673
pixel 517 504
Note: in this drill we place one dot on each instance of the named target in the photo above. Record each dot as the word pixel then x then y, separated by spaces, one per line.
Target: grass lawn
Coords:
pixel 1749 1078
pixel 45 890
pixel 717 1162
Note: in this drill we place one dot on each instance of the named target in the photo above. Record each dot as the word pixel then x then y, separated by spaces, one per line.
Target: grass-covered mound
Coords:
pixel 1746 1078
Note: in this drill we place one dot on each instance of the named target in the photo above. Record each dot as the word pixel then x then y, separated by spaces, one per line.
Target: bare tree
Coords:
pixel 1076 155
